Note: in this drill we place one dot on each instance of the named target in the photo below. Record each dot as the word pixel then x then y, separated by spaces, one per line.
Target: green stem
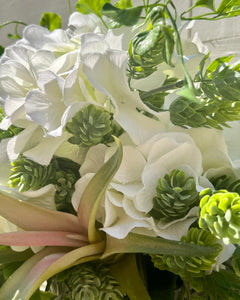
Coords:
pixel 167 87
pixel 180 50
pixel 12 22
pixel 69 7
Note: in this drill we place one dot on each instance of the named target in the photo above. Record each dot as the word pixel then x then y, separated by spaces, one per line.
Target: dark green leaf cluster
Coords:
pixel 1 50
pixel 151 47
pixel 220 213
pixel 91 126
pixel 219 94
pixel 176 195
pixel 188 267
pixel 61 172
pixel 90 281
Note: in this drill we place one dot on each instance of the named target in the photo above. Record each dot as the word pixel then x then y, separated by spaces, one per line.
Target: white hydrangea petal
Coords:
pixel 43 152
pixel 115 197
pixel 64 63
pixel 4 162
pixel 44 110
pixel 131 211
pixel 36 36
pixel 26 139
pixel 41 60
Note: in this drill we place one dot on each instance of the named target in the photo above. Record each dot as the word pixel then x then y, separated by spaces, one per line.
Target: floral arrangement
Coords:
pixel 119 151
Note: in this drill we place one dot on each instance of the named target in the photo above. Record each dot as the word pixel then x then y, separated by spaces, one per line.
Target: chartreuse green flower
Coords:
pixel 190 266
pixel 176 195
pixel 91 126
pixel 220 214
pixel 90 281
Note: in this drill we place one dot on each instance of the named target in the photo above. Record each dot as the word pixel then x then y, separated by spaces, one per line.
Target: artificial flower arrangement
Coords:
pixel 119 158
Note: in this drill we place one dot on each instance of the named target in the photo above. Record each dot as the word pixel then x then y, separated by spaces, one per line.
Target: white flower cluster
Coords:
pixel 47 77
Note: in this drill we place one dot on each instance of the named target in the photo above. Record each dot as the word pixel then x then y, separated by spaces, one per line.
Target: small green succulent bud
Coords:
pixel 90 281
pixel 220 213
pixel 188 267
pixel 27 174
pixel 176 195
pixel 91 126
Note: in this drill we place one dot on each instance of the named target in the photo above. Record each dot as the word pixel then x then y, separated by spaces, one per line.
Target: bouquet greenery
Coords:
pixel 120 161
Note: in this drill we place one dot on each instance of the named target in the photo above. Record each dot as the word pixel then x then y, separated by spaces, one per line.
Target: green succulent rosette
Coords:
pixel 220 214
pixel 176 195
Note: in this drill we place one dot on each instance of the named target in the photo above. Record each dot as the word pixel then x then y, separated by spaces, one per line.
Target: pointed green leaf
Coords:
pixel 228 5
pixel 136 243
pixel 91 6
pixel 189 94
pixel 51 21
pixel 205 3
pixel 127 16
pixel 93 193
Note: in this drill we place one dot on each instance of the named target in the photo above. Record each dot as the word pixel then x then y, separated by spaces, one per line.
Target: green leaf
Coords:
pixel 1 50
pixel 127 16
pixel 91 6
pixel 51 21
pixel 205 3
pixel 124 4
pixel 134 285
pixel 229 6
pixel 93 193
pixel 136 243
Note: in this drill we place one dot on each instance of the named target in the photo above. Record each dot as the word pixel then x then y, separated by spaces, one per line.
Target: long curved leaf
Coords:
pixel 136 243
pixel 31 217
pixel 10 289
pixel 92 195
pixel 43 238
pixel 28 283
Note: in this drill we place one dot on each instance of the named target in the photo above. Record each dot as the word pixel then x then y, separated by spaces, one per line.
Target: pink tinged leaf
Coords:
pixel 43 238
pixel 31 217
pixel 43 265
pixel 94 192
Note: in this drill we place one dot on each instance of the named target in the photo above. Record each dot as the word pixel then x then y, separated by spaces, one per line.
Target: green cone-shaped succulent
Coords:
pixel 66 175
pixel 220 213
pixel 188 267
pixel 27 174
pixel 90 281
pixel 176 195
pixel 211 113
pixel 62 172
pixel 91 126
